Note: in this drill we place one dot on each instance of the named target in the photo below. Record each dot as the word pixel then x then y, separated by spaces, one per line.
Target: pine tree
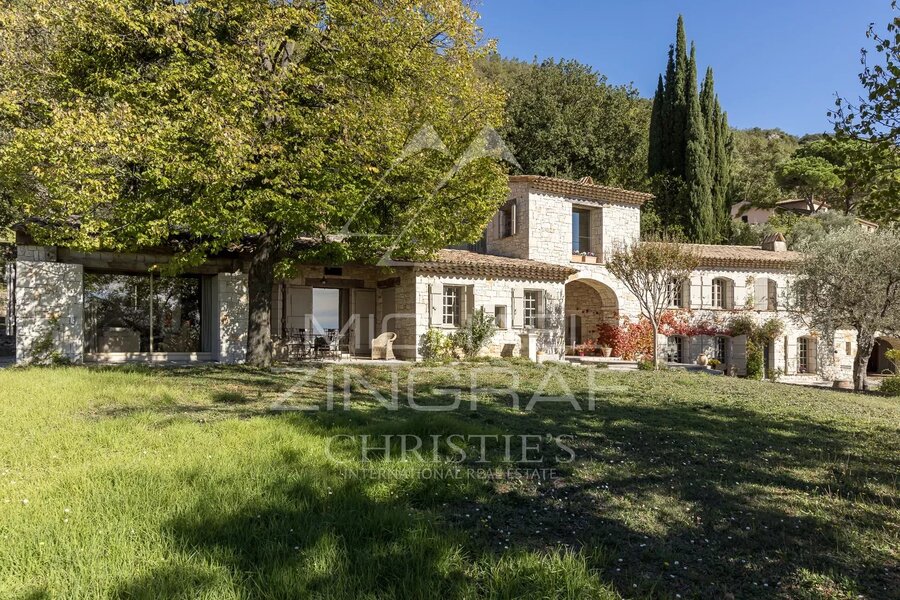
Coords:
pixel 709 105
pixel 676 99
pixel 723 172
pixel 700 222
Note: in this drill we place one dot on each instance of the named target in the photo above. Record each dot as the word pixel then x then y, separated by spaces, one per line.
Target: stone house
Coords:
pixel 539 271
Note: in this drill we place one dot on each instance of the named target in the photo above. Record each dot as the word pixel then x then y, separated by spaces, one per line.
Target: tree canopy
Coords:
pixel 215 124
pixel 563 119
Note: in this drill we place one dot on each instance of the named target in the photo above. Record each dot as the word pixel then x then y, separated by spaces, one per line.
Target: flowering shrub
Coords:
pixel 633 339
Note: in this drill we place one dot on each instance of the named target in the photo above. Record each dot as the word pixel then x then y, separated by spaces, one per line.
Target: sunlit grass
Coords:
pixel 141 483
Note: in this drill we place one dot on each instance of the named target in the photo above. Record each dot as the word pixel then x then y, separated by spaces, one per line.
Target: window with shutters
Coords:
pixel 675 349
pixel 676 294
pixel 531 308
pixel 722 293
pixel 720 349
pixel 452 305
pixel 803 355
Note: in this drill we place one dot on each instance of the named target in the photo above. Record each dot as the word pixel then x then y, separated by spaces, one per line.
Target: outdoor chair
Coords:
pixel 383 346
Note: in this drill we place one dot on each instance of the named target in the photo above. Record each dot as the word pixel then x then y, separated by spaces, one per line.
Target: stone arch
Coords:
pixel 878 362
pixel 589 303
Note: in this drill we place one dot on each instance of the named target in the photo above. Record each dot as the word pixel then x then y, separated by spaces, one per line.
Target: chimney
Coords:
pixel 775 243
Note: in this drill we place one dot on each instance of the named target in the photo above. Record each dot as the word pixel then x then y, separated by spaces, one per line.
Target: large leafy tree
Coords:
pixel 813 178
pixel 564 119
pixel 875 118
pixel 757 154
pixel 219 124
pixel 851 278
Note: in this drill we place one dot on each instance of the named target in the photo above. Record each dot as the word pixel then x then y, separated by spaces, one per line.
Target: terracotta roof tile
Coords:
pixel 488 265
pixel 585 188
pixel 751 257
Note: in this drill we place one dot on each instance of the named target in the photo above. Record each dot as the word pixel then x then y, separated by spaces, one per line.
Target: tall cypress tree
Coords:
pixel 700 222
pixel 689 153
pixel 655 161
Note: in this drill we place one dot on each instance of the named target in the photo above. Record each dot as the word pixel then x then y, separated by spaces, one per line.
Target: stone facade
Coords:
pixel 49 308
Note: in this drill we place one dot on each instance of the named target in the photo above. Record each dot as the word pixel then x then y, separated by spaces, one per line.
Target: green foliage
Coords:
pixel 210 124
pixel 475 334
pixel 647 365
pixel 813 178
pixel 756 156
pixel 689 155
pixel 890 386
pixel 564 119
pixel 755 360
pixel 893 355
pixel 436 345
pixel 875 118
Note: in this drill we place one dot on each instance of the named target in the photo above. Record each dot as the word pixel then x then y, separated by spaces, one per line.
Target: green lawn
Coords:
pixel 177 483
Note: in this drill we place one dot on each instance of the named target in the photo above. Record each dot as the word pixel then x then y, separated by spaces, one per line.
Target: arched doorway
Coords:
pixel 878 361
pixel 589 303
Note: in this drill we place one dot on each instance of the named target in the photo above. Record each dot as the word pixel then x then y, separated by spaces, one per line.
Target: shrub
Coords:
pixel 890 386
pixel 646 365
pixel 893 355
pixel 436 345
pixel 475 334
pixel 755 360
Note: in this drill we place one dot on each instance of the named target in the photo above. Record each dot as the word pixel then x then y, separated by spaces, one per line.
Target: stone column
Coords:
pixel 49 308
pixel 529 346
pixel 233 312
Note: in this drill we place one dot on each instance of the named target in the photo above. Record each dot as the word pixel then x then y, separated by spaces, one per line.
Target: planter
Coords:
pixel 590 259
pixel 702 360
pixel 842 384
pixel 581 354
pixel 606 351
pixel 578 258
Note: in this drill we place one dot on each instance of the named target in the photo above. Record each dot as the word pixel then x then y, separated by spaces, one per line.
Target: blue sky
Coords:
pixel 776 63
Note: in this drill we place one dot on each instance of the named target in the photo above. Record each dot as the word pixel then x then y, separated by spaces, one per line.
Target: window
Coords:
pixel 142 313
pixel 508 220
pixel 451 305
pixel 581 230
pixel 721 293
pixel 745 219
pixel 720 349
pixel 531 306
pixel 803 355
pixel 500 319
pixel 675 348
pixel 676 294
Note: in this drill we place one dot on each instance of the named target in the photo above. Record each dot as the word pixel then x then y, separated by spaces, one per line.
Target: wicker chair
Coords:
pixel 383 346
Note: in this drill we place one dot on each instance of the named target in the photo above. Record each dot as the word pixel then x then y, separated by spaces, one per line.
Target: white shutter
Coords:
pixel 513 210
pixel 435 304
pixel 518 308
pixel 761 293
pixel 696 292
pixel 542 310
pixel 813 355
pixel 728 294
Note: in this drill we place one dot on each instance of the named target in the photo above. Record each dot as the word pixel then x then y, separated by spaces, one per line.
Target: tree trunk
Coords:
pixel 865 343
pixel 655 326
pixel 260 281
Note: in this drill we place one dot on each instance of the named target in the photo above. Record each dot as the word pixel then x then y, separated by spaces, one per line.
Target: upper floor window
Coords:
pixel 722 293
pixel 676 294
pixel 581 230
pixel 452 305
pixel 531 308
pixel 508 220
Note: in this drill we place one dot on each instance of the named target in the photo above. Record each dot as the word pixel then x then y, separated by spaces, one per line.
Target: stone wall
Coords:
pixel 489 293
pixel 49 308
pixel 233 317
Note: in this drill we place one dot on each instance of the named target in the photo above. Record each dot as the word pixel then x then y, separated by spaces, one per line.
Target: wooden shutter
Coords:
pixel 739 354
pixel 761 293
pixel 468 307
pixel 513 217
pixel 518 308
pixel 728 294
pixel 435 304
pixel 813 354
pixel 772 294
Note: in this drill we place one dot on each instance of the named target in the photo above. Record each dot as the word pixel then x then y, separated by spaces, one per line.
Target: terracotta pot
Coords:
pixel 606 351
pixel 590 259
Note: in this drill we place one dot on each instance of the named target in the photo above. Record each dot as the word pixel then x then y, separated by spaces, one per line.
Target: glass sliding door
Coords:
pixel 141 313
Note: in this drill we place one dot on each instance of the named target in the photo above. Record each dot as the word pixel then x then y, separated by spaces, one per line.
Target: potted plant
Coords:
pixel 714 363
pixel 606 351
pixel 576 257
pixel 589 257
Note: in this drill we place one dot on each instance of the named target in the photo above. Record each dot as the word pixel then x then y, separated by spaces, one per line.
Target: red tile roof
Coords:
pixel 584 189
pixel 488 265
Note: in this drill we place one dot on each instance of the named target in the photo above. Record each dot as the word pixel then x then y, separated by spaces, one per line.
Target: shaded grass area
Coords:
pixel 185 483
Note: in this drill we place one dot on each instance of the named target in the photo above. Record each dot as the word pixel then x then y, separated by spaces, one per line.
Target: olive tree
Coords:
pixel 653 271
pixel 851 279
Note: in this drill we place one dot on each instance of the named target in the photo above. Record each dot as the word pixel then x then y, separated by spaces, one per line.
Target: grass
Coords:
pixel 184 483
